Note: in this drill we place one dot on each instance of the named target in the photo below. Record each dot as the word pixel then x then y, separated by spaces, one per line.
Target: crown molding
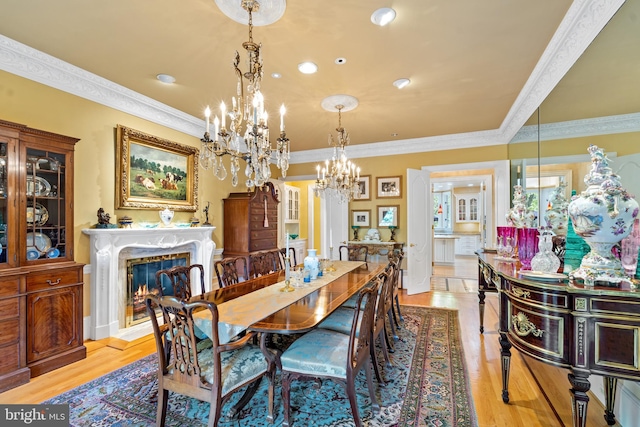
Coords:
pixel 405 146
pixel 581 24
pixel 24 61
pixel 622 123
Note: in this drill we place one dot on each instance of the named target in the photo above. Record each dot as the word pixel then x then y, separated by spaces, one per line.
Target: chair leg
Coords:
pixel 374 361
pixel 163 399
pixel 398 308
pixel 353 401
pixel 286 386
pixel 390 346
pixel 383 343
pixel 372 391
pixel 393 328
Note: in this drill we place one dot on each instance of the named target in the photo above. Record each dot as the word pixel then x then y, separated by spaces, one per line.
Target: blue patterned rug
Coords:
pixel 427 386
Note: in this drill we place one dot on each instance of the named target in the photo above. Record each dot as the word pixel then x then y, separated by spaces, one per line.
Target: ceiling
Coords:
pixel 468 61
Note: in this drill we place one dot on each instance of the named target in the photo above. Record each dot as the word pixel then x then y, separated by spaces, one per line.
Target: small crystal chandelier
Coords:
pixel 341 175
pixel 252 146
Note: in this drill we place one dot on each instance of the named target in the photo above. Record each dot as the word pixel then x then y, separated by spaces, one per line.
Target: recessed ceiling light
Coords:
pixel 341 61
pixel 307 67
pixel 276 75
pixel 400 83
pixel 383 16
pixel 166 78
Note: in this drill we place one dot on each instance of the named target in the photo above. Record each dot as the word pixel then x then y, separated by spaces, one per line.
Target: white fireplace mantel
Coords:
pixel 111 247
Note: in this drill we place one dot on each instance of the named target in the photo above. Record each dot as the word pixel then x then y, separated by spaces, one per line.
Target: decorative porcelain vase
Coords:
pixel 545 260
pixel 166 216
pixel 312 263
pixel 557 216
pixel 602 215
pixel 521 214
pixel 527 242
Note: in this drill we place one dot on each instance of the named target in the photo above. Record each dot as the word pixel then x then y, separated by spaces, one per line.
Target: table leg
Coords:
pixel 610 385
pixel 579 399
pixel 505 359
pixel 481 297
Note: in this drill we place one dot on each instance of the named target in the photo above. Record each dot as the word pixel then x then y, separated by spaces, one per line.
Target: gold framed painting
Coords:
pixel 364 184
pixel 361 218
pixel 155 173
pixel 388 216
pixel 389 187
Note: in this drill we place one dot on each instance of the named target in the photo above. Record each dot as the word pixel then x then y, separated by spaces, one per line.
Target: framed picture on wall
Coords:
pixel 389 187
pixel 364 183
pixel 155 173
pixel 361 218
pixel 388 216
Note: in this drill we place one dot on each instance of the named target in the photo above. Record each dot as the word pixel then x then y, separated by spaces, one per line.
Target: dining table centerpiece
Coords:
pixel 602 215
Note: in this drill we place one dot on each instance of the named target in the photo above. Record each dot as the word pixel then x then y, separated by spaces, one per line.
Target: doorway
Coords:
pixel 496 175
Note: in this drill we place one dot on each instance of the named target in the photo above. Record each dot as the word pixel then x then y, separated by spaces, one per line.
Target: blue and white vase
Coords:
pixel 312 263
pixel 602 215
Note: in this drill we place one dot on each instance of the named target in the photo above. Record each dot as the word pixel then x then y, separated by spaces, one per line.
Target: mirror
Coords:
pixel 596 102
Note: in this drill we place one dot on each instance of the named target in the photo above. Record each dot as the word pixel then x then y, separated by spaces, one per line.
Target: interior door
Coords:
pixel 419 224
pixel 334 223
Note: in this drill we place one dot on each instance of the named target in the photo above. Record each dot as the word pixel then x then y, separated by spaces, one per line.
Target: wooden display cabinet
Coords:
pixel 41 284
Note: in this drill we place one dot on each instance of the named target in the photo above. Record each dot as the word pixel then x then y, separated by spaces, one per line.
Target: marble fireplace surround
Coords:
pixel 111 248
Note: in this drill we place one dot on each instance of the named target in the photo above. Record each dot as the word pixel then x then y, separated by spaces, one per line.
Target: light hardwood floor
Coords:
pixel 541 400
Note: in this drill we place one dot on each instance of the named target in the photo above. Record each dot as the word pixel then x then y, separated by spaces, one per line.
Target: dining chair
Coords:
pixel 326 354
pixel 292 256
pixel 341 319
pixel 212 374
pixel 232 270
pixel 264 262
pixel 396 257
pixel 353 252
pixel 180 279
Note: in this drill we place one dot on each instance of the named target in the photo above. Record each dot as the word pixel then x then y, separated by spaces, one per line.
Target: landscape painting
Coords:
pixel 155 173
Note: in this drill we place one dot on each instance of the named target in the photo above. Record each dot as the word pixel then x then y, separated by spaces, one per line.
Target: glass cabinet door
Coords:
pixel 45 209
pixel 4 206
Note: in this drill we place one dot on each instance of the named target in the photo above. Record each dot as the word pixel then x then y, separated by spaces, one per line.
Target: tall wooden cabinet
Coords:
pixel 251 221
pixel 40 284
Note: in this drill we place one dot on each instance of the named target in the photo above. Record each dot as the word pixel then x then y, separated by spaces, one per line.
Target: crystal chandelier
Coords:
pixel 251 145
pixel 341 175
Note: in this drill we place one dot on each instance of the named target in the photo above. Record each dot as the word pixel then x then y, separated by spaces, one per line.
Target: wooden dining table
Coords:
pixel 259 304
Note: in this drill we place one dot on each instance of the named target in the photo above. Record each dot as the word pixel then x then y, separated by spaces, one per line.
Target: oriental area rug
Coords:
pixel 427 386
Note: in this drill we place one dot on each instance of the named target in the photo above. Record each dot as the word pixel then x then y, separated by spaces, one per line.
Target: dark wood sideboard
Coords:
pixel 588 330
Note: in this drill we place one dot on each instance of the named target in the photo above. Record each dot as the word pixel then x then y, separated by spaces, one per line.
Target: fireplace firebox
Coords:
pixel 141 280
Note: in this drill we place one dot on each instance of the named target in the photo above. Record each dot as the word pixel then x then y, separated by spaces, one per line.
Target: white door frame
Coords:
pixel 501 188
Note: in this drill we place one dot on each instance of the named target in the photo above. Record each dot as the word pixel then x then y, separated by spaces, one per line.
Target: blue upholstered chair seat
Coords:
pixel 318 352
pixel 340 321
pixel 237 366
pixel 351 302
